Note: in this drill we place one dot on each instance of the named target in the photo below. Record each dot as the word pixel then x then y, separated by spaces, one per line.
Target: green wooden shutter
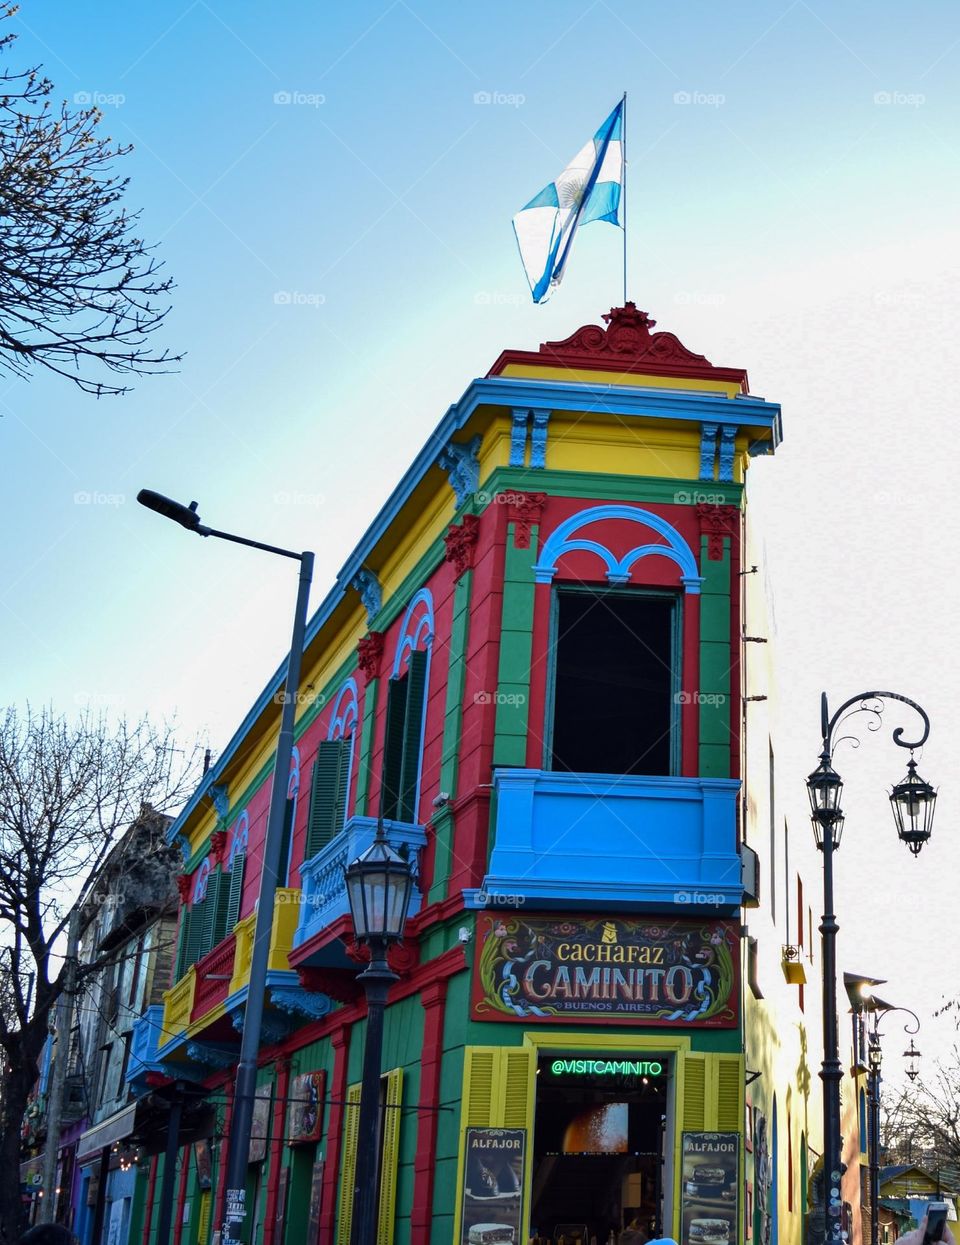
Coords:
pixel 390 1157
pixel 236 889
pixel 412 736
pixel 327 794
pixel 348 1164
pixel 393 747
pixel 221 917
pixel 183 941
pixel 195 931
pixel 283 864
pixel 211 903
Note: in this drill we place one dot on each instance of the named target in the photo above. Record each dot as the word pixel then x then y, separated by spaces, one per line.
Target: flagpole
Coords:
pixel 623 153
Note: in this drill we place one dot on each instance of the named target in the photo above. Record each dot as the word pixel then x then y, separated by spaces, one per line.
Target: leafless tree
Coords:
pixel 80 293
pixel 921 1124
pixel 67 791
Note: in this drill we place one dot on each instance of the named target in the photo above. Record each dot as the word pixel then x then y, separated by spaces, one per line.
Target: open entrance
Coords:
pixel 598 1149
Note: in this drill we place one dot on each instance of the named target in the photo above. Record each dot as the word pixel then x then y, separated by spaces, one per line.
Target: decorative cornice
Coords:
pixel 331 983
pixel 523 510
pixel 461 543
pixel 369 653
pixel 300 1002
pixel 211 1056
pixel 461 463
pixel 716 522
pixel 625 345
pixel 219 796
pixel 403 957
pixel 218 843
pixel 367 584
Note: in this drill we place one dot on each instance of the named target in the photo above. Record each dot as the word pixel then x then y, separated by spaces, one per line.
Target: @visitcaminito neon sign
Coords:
pixel 606 1067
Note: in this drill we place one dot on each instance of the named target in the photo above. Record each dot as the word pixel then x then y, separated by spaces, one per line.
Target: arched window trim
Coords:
pixel 619 569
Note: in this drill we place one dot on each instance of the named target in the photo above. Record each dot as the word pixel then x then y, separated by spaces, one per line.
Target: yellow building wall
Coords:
pixel 782 1040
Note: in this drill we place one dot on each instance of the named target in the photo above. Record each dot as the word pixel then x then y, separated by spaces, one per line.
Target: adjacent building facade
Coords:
pixel 545 667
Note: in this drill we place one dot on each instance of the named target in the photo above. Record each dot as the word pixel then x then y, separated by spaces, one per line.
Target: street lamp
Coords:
pixel 912 1057
pixel 913 801
pixel 379 887
pixel 246 1078
pixel 879 1008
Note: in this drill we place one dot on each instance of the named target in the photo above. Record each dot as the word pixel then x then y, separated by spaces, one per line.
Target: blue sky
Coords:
pixel 331 188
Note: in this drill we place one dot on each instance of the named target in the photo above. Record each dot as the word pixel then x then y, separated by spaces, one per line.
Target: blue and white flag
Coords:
pixel 589 188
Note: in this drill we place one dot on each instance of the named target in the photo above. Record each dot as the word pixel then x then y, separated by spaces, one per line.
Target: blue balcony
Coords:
pixel 608 841
pixel 147 1032
pixel 323 899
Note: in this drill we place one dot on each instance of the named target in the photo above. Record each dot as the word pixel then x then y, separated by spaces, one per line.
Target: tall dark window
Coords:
pixel 614 683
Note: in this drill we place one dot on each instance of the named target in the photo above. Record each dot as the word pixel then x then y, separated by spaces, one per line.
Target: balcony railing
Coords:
pixel 566 840
pixel 178 1005
pixel 214 973
pixel 285 914
pixel 324 897
pixel 146 1038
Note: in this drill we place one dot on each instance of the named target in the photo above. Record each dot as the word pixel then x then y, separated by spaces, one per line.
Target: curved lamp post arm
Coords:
pixel 828 724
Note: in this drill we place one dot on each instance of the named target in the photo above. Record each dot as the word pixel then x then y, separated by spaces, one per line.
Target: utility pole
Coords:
pixel 58 1080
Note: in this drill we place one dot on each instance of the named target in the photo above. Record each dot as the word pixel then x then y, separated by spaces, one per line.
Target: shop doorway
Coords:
pixel 599 1136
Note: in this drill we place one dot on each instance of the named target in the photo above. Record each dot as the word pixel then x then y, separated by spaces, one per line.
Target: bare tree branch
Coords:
pixel 68 792
pixel 80 292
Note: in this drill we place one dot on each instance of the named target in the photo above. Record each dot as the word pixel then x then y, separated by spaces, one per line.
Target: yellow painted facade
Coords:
pixel 639 380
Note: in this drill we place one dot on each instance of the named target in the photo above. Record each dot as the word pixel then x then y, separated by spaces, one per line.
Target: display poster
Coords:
pixel 710 1204
pixel 617 971
pixel 306 1108
pixel 316 1202
pixel 260 1127
pixel 201 1151
pixel 492 1208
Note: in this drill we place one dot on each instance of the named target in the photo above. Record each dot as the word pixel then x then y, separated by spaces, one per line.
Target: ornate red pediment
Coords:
pixel 625 345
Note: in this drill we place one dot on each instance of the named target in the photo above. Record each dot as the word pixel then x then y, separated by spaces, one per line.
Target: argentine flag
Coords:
pixel 589 188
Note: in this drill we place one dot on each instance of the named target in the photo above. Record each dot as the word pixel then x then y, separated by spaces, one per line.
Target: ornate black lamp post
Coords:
pixel 868 1037
pixel 379 887
pixel 913 801
pixel 234 1229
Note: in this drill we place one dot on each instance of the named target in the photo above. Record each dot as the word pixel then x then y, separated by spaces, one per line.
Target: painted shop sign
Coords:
pixel 710 1205
pixel 492 1207
pixel 620 971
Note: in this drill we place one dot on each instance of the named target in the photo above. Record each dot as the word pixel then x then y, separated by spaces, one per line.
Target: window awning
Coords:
pixel 114 1128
